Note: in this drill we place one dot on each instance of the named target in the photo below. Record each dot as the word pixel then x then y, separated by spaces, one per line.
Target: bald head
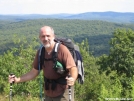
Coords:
pixel 46 29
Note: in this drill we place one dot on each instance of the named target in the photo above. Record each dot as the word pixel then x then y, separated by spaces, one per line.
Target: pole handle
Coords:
pixel 69 77
pixel 11 75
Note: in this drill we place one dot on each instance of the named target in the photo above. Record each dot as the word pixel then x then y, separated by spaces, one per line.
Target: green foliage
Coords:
pixel 18 61
pixel 132 85
pixel 97 32
pixel 121 56
pixel 123 50
pixel 112 87
pixel 101 80
pixel 97 87
pixel 120 60
pixel 21 97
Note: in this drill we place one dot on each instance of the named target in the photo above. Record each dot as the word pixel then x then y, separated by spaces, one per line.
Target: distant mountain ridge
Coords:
pixel 118 17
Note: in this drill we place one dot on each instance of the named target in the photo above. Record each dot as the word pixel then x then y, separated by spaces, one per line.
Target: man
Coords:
pixel 54 90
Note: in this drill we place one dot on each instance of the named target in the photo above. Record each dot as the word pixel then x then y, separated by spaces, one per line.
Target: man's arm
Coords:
pixel 26 77
pixel 74 72
pixel 73 76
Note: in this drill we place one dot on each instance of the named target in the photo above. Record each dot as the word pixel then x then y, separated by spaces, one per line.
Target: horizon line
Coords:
pixel 65 13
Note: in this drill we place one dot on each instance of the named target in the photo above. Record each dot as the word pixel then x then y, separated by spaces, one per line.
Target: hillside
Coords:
pixel 117 17
pixel 97 32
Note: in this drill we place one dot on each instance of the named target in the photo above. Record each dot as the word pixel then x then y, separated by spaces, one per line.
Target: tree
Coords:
pixel 18 60
pixel 121 57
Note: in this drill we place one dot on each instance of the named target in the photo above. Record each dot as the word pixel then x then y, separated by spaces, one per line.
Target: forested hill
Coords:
pixel 126 17
pixel 97 32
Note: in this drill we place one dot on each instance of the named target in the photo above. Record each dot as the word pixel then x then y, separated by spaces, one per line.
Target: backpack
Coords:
pixel 74 50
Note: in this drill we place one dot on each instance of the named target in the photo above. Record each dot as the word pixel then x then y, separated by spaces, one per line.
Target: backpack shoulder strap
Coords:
pixel 55 53
pixel 41 56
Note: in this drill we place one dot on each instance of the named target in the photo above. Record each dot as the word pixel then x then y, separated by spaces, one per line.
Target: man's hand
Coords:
pixel 11 78
pixel 70 81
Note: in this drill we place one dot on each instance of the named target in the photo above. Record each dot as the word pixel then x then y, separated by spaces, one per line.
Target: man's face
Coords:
pixel 46 37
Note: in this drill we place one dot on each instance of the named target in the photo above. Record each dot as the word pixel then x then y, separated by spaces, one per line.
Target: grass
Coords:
pixel 18 98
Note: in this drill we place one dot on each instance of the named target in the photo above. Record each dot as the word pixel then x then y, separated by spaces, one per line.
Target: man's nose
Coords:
pixel 46 38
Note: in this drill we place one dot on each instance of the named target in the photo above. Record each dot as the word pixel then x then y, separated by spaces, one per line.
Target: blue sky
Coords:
pixel 64 6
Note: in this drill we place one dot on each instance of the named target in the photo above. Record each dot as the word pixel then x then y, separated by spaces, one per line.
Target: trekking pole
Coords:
pixel 69 90
pixel 10 95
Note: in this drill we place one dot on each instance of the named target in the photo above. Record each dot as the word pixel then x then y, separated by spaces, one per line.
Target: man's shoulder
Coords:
pixel 62 47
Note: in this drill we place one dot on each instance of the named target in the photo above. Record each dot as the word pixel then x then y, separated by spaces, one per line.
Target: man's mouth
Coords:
pixel 45 42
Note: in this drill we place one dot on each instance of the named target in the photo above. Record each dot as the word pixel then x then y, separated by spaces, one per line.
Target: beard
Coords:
pixel 48 43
